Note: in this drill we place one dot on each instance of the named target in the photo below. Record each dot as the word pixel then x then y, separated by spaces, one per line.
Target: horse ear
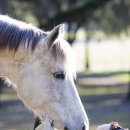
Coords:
pixel 54 34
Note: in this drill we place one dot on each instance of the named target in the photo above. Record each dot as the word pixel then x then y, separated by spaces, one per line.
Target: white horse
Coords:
pixel 41 66
pixel 110 126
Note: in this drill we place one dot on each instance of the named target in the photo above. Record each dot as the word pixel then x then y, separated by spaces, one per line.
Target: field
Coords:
pixel 101 103
pixel 104 97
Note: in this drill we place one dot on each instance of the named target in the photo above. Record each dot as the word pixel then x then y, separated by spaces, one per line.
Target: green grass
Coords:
pixel 122 117
pixel 125 77
pixel 101 91
pixel 8 96
pixel 95 88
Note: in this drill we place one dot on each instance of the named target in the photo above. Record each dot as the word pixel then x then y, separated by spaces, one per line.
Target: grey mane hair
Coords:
pixel 14 33
pixel 7 82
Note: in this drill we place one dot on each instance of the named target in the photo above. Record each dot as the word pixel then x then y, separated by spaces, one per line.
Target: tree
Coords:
pixel 49 13
pixel 110 16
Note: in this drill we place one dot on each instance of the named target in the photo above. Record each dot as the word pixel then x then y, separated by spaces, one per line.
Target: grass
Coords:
pixel 101 83
pixel 101 91
pixel 105 109
pixel 120 116
pixel 125 77
pixel 8 96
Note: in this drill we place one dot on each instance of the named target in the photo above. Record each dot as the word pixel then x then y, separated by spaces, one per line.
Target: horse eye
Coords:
pixel 59 75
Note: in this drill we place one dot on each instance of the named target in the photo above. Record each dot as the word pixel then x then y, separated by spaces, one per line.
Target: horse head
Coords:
pixel 46 83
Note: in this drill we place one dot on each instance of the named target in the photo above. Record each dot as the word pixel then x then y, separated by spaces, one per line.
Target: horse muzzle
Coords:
pixel 84 126
pixel 42 126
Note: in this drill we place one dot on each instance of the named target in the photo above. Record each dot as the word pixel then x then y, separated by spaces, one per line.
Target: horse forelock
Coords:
pixel 58 51
pixel 14 33
pixel 62 54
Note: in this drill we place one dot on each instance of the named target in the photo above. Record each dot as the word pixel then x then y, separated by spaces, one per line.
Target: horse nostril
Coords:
pixel 83 128
pixel 65 128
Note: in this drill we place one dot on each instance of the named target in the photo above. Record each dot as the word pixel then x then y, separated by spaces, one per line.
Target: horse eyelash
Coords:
pixel 59 75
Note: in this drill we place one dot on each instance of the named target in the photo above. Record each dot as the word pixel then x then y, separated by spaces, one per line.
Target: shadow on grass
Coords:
pixel 101 75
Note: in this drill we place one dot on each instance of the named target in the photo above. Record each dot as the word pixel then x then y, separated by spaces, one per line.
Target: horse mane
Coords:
pixel 14 33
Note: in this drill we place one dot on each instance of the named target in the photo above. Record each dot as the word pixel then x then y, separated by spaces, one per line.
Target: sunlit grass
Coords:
pixel 8 96
pixel 125 77
pixel 101 91
pixel 93 87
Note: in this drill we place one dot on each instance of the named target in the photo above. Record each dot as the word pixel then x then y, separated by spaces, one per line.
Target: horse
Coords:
pixel 110 126
pixel 41 66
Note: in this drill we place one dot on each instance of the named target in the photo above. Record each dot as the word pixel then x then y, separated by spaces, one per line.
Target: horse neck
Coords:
pixel 9 64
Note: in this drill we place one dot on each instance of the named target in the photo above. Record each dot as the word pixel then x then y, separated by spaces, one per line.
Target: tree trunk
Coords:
pixel 78 14
pixel 87 58
pixel 128 95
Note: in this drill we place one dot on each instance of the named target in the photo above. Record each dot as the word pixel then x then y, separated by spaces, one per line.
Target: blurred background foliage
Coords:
pixel 109 16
